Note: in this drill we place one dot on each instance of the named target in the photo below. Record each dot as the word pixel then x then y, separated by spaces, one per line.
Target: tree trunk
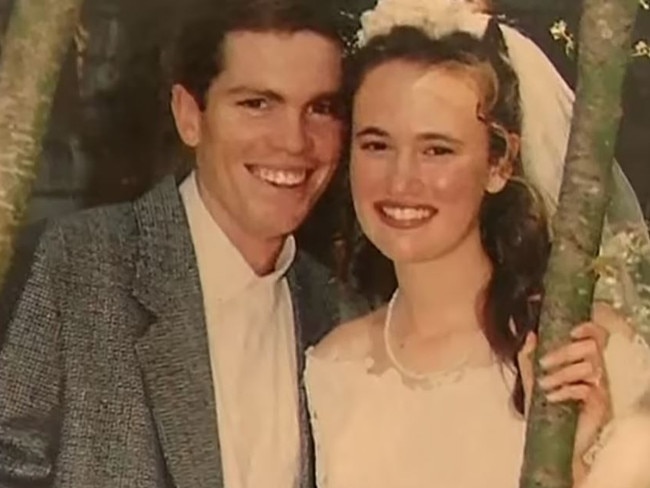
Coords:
pixel 36 41
pixel 605 33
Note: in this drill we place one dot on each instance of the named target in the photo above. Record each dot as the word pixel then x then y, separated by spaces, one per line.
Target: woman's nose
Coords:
pixel 405 177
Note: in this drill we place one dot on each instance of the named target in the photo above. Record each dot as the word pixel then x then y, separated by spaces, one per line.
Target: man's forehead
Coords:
pixel 273 46
pixel 301 61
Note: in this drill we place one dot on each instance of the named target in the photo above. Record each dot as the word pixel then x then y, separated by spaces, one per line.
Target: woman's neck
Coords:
pixel 443 296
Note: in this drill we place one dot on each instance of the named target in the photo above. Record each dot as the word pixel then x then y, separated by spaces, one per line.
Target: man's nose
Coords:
pixel 292 134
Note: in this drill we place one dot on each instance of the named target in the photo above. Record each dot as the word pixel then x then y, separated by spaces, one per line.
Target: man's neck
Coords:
pixel 260 254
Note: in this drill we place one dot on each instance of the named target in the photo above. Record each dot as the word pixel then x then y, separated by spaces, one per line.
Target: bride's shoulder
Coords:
pixel 352 340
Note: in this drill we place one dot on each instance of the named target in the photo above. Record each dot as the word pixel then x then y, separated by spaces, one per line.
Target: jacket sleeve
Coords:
pixel 30 381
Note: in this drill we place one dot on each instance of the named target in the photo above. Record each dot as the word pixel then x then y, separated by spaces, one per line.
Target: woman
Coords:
pixel 431 389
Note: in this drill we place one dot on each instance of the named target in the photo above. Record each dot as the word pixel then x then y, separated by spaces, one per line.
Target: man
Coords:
pixel 160 343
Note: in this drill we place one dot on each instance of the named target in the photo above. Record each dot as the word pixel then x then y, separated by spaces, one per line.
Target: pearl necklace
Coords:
pixel 454 373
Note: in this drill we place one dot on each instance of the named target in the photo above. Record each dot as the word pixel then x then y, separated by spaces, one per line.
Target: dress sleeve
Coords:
pixel 623 449
pixel 628 370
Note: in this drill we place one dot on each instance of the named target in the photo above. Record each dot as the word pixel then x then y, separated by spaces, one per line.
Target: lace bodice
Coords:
pixel 373 430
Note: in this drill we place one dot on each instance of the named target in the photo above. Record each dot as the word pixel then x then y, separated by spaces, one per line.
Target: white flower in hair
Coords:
pixel 436 17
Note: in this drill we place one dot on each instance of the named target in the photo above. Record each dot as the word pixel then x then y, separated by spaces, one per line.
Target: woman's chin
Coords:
pixel 408 255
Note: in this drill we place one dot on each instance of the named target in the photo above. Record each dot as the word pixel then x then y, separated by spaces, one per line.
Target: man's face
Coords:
pixel 270 136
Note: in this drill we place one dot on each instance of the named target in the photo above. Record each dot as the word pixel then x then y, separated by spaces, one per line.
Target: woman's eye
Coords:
pixel 438 151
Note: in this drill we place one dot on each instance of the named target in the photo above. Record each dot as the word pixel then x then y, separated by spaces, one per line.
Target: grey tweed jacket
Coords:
pixel 105 377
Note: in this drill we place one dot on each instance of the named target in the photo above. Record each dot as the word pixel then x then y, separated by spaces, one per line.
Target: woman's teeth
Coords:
pixel 407 213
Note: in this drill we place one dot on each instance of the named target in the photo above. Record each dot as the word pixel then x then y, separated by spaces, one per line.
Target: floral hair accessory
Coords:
pixel 436 17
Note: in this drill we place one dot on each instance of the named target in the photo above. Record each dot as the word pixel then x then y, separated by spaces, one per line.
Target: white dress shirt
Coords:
pixel 250 330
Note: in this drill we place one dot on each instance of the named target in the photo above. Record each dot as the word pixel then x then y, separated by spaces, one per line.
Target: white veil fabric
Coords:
pixel 547 111
pixel 546 103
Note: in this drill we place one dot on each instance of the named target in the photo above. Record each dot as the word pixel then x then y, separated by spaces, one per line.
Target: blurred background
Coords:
pixel 111 137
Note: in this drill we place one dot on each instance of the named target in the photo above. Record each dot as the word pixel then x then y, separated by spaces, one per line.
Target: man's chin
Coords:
pixel 281 226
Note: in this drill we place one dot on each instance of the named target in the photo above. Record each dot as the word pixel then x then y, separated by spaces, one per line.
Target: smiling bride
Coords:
pixel 459 128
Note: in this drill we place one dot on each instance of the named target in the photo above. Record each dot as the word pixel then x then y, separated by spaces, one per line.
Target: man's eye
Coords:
pixel 325 107
pixel 373 146
pixel 254 103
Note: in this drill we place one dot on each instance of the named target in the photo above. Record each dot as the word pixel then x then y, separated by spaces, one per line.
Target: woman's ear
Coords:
pixel 187 115
pixel 501 171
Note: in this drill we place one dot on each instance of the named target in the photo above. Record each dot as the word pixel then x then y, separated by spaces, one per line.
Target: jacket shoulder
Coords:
pixel 76 236
pixel 96 244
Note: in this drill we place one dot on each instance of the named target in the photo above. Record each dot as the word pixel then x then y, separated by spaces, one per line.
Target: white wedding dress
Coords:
pixel 371 430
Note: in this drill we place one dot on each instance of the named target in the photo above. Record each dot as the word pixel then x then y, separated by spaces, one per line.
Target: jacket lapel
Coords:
pixel 173 351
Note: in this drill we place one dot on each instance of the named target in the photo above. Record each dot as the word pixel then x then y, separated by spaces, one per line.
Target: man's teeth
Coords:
pixel 281 177
pixel 407 213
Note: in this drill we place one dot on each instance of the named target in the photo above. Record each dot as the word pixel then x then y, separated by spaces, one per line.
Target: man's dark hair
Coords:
pixel 199 50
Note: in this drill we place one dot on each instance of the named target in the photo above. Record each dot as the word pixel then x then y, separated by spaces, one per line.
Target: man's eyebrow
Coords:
pixel 255 92
pixel 329 95
pixel 371 131
pixel 242 90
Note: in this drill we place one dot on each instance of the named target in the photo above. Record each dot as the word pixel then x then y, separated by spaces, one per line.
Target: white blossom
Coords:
pixel 436 17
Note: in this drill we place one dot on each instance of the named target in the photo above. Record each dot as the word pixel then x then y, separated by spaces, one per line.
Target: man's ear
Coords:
pixel 501 171
pixel 187 115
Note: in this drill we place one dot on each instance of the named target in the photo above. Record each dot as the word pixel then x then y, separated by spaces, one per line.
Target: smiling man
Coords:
pixel 267 135
pixel 159 343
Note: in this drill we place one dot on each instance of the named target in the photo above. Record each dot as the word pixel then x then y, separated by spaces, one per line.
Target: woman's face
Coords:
pixel 419 166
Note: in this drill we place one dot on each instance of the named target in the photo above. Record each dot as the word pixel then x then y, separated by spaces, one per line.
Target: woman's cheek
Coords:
pixel 450 185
